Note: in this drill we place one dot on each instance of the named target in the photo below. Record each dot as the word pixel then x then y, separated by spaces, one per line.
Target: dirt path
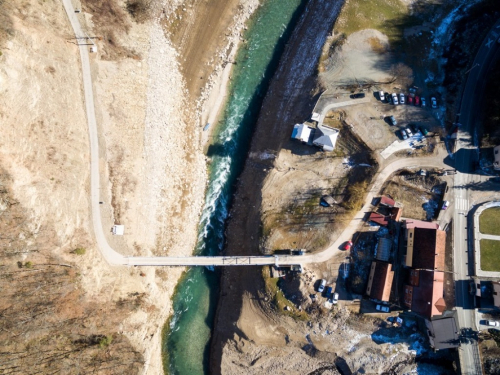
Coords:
pixel 287 101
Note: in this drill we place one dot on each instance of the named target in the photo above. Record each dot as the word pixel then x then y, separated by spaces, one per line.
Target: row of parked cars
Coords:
pixel 333 298
pixel 410 130
pixel 402 99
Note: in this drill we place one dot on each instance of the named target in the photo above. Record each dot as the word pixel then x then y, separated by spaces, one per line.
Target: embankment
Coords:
pixel 290 99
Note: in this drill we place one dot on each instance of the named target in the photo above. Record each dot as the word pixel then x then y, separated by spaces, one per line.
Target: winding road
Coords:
pixel 115 258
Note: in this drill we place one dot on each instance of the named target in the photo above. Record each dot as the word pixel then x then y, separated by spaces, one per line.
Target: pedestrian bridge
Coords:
pixel 277 260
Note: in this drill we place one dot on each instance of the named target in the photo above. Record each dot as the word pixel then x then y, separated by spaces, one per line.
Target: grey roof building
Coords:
pixel 326 137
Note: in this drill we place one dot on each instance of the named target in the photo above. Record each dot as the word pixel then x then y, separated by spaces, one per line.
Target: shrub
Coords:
pixel 79 251
pixel 105 341
pixel 28 265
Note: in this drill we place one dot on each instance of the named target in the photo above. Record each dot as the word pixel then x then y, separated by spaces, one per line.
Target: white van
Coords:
pixel 322 285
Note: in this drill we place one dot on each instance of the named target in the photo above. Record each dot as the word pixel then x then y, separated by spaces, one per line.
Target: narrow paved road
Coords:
pixel 115 258
pixel 465 157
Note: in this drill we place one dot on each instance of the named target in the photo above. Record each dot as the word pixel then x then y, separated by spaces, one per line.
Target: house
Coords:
pixel 412 223
pixel 384 247
pixel 496 155
pixel 443 331
pixel 396 213
pixel 424 293
pixel 379 219
pixel 425 249
pixel 325 137
pixel 386 201
pixel 301 132
pixel 380 281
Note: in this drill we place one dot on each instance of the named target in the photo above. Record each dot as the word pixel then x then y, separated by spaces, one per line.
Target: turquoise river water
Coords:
pixel 186 337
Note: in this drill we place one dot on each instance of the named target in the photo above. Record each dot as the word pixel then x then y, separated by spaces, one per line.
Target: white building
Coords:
pixel 118 230
pixel 301 132
pixel 326 137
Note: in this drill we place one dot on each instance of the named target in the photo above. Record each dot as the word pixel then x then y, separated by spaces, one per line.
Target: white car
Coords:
pixel 381 96
pixel 382 308
pixel 402 98
pixel 335 298
pixel 322 285
pixel 446 204
pixel 492 323
pixel 394 99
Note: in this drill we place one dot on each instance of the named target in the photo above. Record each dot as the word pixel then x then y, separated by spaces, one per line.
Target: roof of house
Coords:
pixel 380 281
pixel 302 132
pixel 427 299
pixel 412 223
pixel 384 246
pixel 444 331
pixel 378 218
pixel 326 137
pixel 428 249
pixel 386 201
pixel 118 230
pixel 396 213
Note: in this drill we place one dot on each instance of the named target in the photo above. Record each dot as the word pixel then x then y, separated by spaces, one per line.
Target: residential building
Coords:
pixel 384 247
pixel 443 331
pixel 379 219
pixel 380 281
pixel 424 293
pixel 301 132
pixel 386 201
pixel 325 137
pixel 425 249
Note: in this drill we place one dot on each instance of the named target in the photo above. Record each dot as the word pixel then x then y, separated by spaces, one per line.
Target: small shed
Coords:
pixel 93 49
pixel 384 247
pixel 327 201
pixel 378 219
pixel 118 230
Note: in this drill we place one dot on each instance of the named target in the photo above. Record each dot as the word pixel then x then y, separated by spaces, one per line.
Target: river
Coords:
pixel 186 336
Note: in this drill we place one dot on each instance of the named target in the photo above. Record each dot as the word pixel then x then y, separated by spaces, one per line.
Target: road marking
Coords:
pixel 488 43
pixel 462 204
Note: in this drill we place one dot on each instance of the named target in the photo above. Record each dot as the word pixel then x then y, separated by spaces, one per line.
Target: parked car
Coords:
pixel 358 95
pixel 410 100
pixel 298 252
pixel 393 121
pixel 417 100
pixel 382 308
pixel 322 285
pixel 402 98
pixel 446 204
pixel 387 97
pixel 335 298
pixel 394 98
pixel 423 130
pixel 381 96
pixel 413 128
pixel 328 292
pixel 347 245
pixel 434 102
pixel 492 323
pixel 422 99
pixel 403 134
pixel 409 132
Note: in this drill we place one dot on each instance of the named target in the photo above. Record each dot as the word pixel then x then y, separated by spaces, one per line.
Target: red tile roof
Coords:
pixel 386 201
pixel 379 219
pixel 428 249
pixel 411 223
pixel 380 281
pixel 426 298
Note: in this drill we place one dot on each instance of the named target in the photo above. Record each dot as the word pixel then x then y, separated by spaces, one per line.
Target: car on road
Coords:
pixel 381 96
pixel 422 99
pixel 402 98
pixel 297 251
pixel 335 298
pixel 434 103
pixel 359 95
pixel 392 120
pixel 347 245
pixel 394 98
pixel 492 323
pixel 446 204
pixel 410 100
pixel 403 134
pixel 382 308
pixel 417 100
pixel 322 284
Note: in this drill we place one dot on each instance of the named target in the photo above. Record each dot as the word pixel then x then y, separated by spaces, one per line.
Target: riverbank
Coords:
pixel 290 99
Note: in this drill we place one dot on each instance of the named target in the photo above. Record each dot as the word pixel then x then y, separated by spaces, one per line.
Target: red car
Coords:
pixel 348 245
pixel 410 100
pixel 417 100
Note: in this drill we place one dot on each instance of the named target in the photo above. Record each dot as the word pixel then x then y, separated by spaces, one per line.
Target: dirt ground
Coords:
pixel 150 105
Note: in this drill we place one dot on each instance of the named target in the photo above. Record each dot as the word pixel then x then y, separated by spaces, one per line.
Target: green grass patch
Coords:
pixel 490 255
pixel 372 14
pixel 279 299
pixel 489 221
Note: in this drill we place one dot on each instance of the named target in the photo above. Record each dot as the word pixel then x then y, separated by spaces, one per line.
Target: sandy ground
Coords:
pixel 149 115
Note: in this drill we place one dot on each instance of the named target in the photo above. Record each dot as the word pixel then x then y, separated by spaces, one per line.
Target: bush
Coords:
pixel 79 251
pixel 28 265
pixel 105 341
